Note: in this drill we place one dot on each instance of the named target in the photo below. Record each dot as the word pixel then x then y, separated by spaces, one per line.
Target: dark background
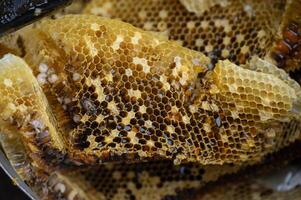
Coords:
pixel 8 190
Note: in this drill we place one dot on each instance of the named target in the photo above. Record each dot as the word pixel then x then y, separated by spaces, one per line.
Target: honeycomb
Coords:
pixel 157 180
pixel 261 185
pixel 249 190
pixel 151 180
pixel 126 105
pixel 277 179
pixel 227 29
pixel 118 92
pixel 115 181
pixel 24 109
pixel 200 6
pixel 145 181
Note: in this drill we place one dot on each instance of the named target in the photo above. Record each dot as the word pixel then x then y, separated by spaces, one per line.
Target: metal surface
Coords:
pixel 10 171
pixel 15 14
pixel 283 180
